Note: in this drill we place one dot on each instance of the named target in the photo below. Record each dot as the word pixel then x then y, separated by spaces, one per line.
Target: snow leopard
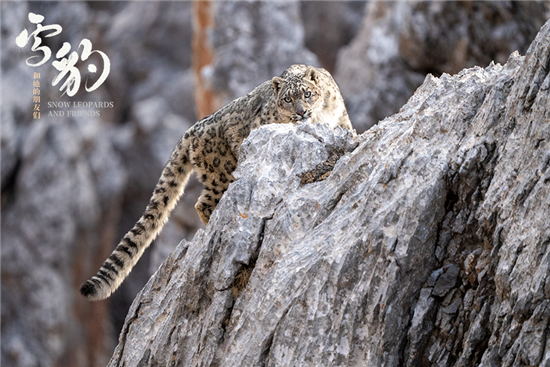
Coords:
pixel 301 94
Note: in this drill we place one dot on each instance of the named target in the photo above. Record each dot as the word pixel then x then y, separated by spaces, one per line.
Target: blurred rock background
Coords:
pixel 71 187
pixel 400 42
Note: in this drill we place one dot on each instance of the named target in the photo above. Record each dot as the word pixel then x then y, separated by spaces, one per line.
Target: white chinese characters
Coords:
pixel 67 64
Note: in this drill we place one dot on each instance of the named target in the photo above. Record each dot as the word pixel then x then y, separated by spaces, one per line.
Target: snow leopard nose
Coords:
pixel 301 111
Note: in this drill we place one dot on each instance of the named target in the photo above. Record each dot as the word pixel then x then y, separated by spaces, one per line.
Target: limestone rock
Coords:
pixel 329 26
pixel 65 184
pixel 400 42
pixel 72 187
pixel 426 245
pixel 239 45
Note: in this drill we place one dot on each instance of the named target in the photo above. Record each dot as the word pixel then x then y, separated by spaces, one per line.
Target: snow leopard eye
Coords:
pixel 287 99
pixel 307 94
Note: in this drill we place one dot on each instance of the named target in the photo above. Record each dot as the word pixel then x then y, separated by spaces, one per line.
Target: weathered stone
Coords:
pixel 65 186
pixel 72 187
pixel 341 266
pixel 329 26
pixel 453 307
pixel 446 280
pixel 421 326
pixel 400 42
pixel 238 45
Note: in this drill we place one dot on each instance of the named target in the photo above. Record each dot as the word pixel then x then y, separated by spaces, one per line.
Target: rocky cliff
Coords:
pixel 427 244
pixel 71 187
pixel 401 41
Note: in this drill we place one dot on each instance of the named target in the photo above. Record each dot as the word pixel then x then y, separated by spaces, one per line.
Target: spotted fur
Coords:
pixel 210 147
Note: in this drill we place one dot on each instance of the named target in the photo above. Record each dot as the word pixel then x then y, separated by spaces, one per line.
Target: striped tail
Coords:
pixel 127 253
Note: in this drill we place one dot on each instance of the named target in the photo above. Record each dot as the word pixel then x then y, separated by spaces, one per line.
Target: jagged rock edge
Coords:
pixel 458 182
pixel 452 186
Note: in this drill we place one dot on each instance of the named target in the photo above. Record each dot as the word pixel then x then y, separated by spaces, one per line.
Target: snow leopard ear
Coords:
pixel 277 84
pixel 312 75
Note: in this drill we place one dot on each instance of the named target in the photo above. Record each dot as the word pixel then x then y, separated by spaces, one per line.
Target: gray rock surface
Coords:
pixel 330 25
pixel 426 245
pixel 69 185
pixel 400 42
pixel 61 194
pixel 243 44
pixel 72 187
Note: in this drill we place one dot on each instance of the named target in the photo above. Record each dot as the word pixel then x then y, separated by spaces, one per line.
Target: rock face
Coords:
pixel 400 42
pixel 428 243
pixel 71 185
pixel 239 45
pixel 330 25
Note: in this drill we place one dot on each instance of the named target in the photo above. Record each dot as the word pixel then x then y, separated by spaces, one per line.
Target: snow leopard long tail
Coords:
pixel 127 253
